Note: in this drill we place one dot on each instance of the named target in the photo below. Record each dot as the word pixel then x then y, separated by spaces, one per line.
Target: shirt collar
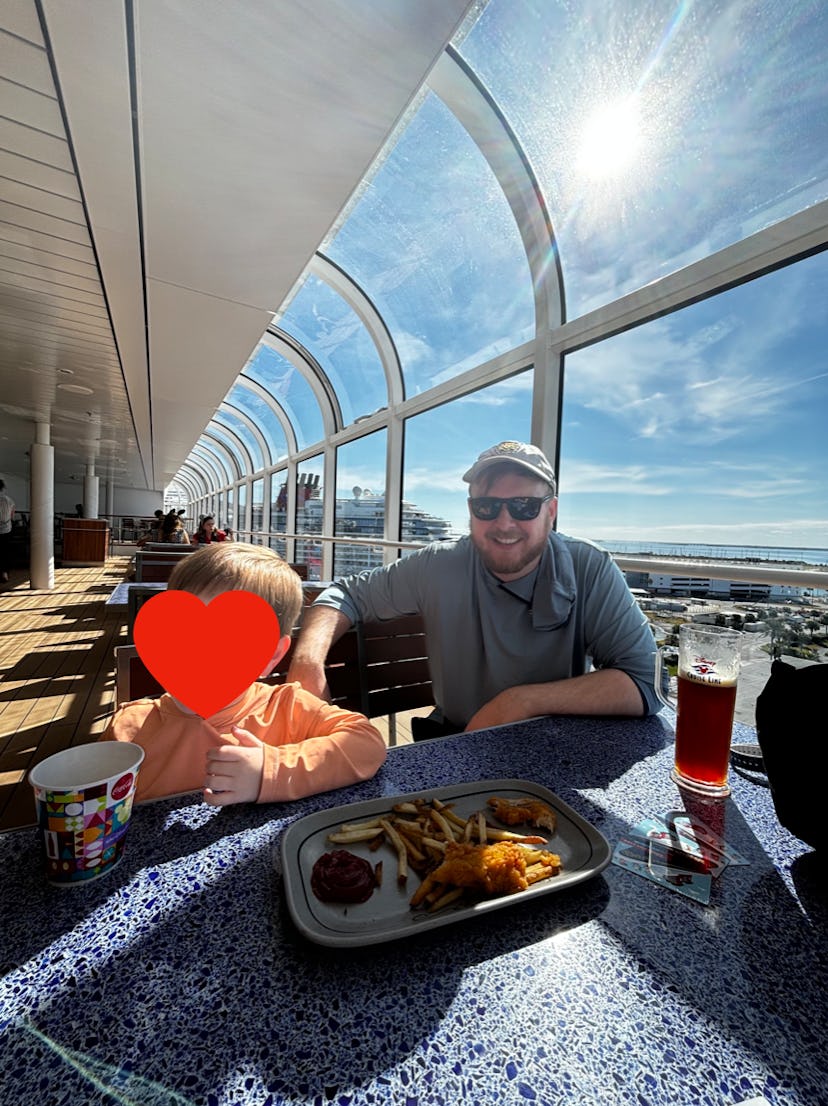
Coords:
pixel 550 588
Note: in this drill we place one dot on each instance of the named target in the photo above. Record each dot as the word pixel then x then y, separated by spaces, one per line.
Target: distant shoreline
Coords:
pixel 797 556
pixel 698 559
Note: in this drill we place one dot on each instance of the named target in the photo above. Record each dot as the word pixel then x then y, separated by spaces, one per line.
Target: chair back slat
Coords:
pixel 376 669
pixel 394 662
pixel 155 565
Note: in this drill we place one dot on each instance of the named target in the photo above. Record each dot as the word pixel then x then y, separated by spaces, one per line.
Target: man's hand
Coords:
pixel 234 772
pixel 507 706
pixel 606 692
pixel 311 676
pixel 321 627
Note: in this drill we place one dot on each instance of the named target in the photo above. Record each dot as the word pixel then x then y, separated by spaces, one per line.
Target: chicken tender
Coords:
pixel 497 869
pixel 512 812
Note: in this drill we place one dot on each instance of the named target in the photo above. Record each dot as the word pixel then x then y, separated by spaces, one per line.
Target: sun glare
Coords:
pixel 611 139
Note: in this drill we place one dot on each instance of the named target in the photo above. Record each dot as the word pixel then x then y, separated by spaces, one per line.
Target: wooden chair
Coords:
pixel 155 561
pixel 136 597
pixel 376 668
pixel 133 680
pixel 394 671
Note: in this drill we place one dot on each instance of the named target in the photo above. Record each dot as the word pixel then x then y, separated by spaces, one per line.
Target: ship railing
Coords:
pixel 770 572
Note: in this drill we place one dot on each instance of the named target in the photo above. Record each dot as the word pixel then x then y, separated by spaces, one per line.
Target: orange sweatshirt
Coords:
pixel 310 746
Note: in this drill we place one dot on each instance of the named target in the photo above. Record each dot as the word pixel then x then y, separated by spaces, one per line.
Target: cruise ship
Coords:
pixel 363 516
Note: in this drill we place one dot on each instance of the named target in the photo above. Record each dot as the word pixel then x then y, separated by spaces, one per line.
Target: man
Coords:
pixel 521 621
pixel 6 519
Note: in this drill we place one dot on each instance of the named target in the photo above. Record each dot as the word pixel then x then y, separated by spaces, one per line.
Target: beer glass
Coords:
pixel 708 670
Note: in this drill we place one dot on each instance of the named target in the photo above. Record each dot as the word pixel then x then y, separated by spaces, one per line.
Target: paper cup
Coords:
pixel 84 799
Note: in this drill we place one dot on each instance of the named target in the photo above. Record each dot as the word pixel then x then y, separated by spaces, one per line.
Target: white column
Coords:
pixel 91 492
pixel 42 504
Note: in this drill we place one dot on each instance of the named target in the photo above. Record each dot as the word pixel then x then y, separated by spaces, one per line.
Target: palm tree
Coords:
pixel 777 628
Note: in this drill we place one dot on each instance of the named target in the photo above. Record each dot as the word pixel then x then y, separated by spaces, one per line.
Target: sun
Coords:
pixel 611 139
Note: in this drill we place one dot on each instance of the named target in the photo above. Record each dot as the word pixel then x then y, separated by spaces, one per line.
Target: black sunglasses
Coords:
pixel 522 508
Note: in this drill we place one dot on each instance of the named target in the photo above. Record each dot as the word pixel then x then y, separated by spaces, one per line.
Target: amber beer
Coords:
pixel 704 724
pixel 708 668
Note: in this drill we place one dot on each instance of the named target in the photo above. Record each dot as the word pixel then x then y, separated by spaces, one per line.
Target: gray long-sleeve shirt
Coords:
pixel 572 614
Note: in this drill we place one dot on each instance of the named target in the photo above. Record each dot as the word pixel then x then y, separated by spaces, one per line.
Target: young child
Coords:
pixel 273 743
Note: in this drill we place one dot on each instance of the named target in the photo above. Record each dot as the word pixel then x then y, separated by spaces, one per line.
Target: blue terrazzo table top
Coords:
pixel 179 978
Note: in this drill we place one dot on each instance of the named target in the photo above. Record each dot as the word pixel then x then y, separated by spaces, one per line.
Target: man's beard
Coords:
pixel 510 560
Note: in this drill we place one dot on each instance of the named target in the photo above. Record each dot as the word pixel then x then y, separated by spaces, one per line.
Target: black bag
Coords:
pixel 791 725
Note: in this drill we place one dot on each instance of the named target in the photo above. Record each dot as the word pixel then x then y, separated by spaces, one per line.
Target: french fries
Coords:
pixel 452 855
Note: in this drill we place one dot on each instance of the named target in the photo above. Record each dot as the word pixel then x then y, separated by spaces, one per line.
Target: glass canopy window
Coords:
pixel 360 502
pixel 239 427
pixel 263 415
pixel 214 468
pixel 434 244
pixel 718 435
pixel 441 444
pixel 278 510
pixel 241 457
pixel 663 139
pixel 660 131
pixel 290 390
pixel 325 324
pixel 310 487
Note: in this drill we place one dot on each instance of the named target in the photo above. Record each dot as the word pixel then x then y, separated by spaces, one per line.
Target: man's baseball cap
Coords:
pixel 527 456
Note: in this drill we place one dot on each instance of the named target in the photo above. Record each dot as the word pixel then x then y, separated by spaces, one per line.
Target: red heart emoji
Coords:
pixel 206 655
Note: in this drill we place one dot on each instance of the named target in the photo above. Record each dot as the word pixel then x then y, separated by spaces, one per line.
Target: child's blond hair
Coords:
pixel 236 566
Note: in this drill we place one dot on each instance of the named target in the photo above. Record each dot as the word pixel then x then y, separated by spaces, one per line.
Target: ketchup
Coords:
pixel 342 877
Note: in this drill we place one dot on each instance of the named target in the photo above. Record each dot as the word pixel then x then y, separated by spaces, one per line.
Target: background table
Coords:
pixel 121 592
pixel 179 978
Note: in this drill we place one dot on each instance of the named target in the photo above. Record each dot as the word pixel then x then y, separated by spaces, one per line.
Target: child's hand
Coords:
pixel 234 772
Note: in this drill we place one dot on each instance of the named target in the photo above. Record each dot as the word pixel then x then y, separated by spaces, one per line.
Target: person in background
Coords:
pixel 208 532
pixel 6 521
pixel 521 621
pixel 78 510
pixel 272 743
pixel 155 531
pixel 172 530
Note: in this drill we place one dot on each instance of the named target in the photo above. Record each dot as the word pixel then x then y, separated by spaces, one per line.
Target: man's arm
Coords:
pixel 608 692
pixel 321 627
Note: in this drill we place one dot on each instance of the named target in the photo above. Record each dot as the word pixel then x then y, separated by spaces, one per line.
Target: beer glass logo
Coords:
pixel 703 669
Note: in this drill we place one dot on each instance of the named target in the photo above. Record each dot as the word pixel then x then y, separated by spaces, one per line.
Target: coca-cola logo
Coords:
pixel 122 788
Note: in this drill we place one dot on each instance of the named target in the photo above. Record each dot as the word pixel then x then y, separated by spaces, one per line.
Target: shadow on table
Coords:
pixel 220 983
pixel 752 961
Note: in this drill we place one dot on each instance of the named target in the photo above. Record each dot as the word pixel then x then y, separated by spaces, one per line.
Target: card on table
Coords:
pixel 677 852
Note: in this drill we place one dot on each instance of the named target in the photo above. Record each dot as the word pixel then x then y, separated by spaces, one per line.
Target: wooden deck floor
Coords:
pixel 57 673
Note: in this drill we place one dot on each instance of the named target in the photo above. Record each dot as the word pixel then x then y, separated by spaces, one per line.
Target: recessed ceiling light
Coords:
pixel 67 372
pixel 76 389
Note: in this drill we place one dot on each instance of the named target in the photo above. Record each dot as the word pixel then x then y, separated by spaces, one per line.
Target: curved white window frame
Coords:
pixel 221 478
pixel 242 416
pixel 454 82
pixel 223 454
pixel 218 432
pixel 196 477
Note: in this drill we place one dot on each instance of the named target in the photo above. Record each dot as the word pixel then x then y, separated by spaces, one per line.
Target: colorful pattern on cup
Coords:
pixel 83 830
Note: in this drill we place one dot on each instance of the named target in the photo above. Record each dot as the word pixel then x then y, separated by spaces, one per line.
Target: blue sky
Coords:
pixel 707 425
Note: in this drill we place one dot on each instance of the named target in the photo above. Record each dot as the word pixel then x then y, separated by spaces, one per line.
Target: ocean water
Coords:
pixel 749 553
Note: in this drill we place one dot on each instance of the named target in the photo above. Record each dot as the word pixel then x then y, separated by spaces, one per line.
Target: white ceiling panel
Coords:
pixel 35 145
pixel 29 108
pixel 215 146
